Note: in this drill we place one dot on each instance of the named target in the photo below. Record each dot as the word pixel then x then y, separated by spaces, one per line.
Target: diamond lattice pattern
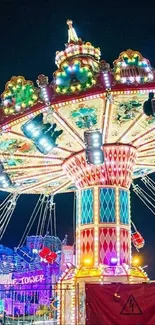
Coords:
pixel 87 243
pixel 124 206
pixel 107 205
pixel 124 242
pixel 107 244
pixel 87 206
pixel 119 160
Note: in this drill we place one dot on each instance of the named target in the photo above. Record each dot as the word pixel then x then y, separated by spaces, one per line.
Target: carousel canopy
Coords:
pixel 42 127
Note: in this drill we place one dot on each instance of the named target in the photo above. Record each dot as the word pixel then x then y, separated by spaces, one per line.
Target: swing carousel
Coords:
pixel 91 131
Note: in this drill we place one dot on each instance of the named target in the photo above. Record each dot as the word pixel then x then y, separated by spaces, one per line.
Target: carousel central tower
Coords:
pixel 103 225
pixel 44 150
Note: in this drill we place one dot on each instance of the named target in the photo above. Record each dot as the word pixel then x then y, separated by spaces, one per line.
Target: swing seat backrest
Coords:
pixel 137 240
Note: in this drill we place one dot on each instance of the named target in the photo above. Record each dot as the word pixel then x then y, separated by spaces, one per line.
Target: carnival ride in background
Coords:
pixel 26 284
pixel 45 243
pixel 92 131
pixel 29 272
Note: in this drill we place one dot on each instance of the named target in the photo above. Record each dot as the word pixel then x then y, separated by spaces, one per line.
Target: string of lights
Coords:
pixel 142 196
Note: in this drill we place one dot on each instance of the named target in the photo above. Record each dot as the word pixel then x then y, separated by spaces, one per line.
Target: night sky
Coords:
pixel 30 33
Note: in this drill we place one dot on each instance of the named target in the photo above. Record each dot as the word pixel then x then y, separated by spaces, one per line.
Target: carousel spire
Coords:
pixel 72 36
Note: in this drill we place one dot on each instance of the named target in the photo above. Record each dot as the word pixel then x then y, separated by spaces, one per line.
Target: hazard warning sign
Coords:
pixel 131 307
pixel 120 304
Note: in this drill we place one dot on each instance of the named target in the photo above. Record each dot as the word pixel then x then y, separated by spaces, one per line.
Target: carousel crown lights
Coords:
pixel 131 67
pixel 107 140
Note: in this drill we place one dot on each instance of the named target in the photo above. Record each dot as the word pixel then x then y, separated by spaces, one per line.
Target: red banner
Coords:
pixel 120 304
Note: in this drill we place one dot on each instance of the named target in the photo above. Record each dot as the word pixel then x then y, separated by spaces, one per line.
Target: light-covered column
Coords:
pixel 103 226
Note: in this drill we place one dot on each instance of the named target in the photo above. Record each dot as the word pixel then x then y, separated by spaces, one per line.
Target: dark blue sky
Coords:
pixel 31 31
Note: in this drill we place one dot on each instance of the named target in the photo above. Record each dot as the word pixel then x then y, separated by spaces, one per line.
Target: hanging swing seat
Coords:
pixel 25 254
pixel 138 240
pixel 48 255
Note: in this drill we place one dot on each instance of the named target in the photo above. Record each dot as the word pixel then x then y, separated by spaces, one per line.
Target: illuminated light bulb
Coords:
pixel 137 78
pixel 144 62
pixel 87 261
pixel 58 89
pixel 124 64
pixel 17 107
pixel 123 79
pixel 150 76
pixel 136 261
pixel 79 87
pixel 118 77
pixel 74 68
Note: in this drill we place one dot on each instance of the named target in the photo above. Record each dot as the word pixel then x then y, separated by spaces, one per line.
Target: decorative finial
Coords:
pixel 42 81
pixel 72 36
